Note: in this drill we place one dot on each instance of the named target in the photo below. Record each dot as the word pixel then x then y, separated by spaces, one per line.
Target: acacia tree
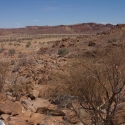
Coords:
pixel 99 84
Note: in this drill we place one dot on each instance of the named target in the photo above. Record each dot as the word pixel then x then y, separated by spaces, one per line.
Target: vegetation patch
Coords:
pixel 63 52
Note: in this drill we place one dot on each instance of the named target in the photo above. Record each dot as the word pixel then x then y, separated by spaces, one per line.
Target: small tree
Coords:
pixel 99 86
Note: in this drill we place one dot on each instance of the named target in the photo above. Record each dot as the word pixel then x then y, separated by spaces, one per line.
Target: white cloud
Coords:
pixel 35 20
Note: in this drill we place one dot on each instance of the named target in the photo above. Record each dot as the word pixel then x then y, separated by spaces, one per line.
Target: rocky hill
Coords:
pixel 84 28
pixel 36 85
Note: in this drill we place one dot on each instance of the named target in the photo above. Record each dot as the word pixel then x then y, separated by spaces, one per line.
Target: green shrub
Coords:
pixel 63 52
pixel 28 44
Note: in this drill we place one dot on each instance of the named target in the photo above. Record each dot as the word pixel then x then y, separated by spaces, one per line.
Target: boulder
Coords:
pixel 17 120
pixel 35 93
pixel 5 117
pixel 71 117
pixel 9 107
pixel 36 118
pixel 41 103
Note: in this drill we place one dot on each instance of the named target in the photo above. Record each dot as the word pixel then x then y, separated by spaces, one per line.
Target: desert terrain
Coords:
pixel 63 75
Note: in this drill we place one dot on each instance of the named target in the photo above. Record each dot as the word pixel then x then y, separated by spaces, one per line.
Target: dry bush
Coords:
pixel 3 74
pixel 21 55
pixel 12 62
pixel 15 68
pixel 22 61
pixel 18 88
pixel 28 44
pixel 11 52
pixel 98 84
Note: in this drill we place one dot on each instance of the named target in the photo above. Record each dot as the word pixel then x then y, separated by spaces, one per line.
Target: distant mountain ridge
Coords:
pixel 84 28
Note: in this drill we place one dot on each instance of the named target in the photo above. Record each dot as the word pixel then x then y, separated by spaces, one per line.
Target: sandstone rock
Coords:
pixel 41 103
pixel 23 98
pixel 71 117
pixel 33 105
pixel 11 98
pixel 17 120
pixel 27 113
pixel 36 118
pixel 9 107
pixel 6 117
pixel 53 121
pixel 27 104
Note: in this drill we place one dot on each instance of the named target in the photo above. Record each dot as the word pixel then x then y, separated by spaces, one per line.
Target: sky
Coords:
pixel 21 13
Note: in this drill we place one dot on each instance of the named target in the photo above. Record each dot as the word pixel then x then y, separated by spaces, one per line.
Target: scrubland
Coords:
pixel 63 81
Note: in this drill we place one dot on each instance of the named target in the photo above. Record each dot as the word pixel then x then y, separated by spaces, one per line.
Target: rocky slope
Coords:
pixel 32 80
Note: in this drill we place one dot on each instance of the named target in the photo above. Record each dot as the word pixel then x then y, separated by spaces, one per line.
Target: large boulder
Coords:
pixel 17 120
pixel 9 107
pixel 36 118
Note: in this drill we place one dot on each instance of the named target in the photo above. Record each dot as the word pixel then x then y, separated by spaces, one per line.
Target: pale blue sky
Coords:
pixel 21 13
